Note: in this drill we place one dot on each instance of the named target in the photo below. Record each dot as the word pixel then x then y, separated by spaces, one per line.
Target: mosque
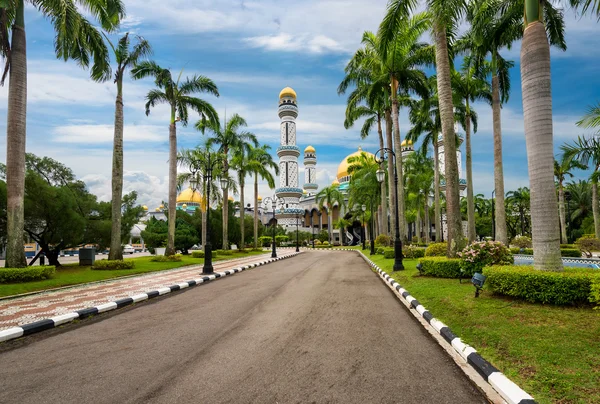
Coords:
pixel 296 206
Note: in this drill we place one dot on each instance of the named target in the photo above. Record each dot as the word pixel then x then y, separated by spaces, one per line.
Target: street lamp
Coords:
pixel 398 266
pixel 273 200
pixel 493 218
pixel 297 247
pixel 210 163
pixel 372 229
pixel 364 208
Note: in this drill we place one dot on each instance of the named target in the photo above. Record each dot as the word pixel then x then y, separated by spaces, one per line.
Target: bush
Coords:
pixel 113 264
pixel 202 254
pixel 441 267
pixel 265 241
pixel 166 258
pixel 257 250
pixel 412 251
pixel 389 253
pixel 595 293
pixel 522 242
pixel 436 250
pixel 527 251
pixel 380 250
pixel 568 246
pixel 515 250
pixel 326 243
pixel 33 273
pixel 484 253
pixel 224 252
pixel 588 244
pixel 317 242
pixel 571 286
pixel 383 240
pixel 570 252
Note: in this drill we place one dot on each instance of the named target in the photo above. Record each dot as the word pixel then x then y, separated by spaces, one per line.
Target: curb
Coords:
pixel 52 322
pixel 509 391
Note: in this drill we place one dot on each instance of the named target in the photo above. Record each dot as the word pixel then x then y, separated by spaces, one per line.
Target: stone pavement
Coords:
pixel 27 309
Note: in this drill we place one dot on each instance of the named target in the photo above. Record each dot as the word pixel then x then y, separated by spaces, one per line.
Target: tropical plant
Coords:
pixel 179 96
pixel 592 118
pixel 124 58
pixel 230 138
pixel 328 197
pixel 562 170
pixel 480 254
pixel 419 185
pixel 81 44
pixel 520 200
pixel 260 162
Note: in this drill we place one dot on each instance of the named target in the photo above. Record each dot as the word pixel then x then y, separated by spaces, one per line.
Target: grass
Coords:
pixel 73 274
pixel 552 352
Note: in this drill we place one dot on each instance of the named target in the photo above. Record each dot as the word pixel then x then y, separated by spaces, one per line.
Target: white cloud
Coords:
pixel 291 43
pixel 90 134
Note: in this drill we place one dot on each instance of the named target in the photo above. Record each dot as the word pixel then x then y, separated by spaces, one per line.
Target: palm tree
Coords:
pixel 328 197
pixel 229 138
pixel 592 118
pixel 520 199
pixel 444 16
pixel 179 96
pixel 125 58
pixel 419 185
pixel 585 151
pixel 76 38
pixel 260 162
pixel 581 199
pixel 562 170
pixel 469 85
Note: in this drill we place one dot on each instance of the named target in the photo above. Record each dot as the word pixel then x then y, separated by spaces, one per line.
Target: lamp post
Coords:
pixel 493 218
pixel 362 227
pixel 297 247
pixel 319 213
pixel 372 252
pixel 273 201
pixel 398 266
pixel 313 229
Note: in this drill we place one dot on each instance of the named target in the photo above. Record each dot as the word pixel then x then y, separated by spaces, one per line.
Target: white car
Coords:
pixel 128 249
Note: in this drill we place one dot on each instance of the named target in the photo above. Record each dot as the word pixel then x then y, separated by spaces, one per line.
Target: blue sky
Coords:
pixel 252 49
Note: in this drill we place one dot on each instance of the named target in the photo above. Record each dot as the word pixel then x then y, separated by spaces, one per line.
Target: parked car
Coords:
pixel 128 249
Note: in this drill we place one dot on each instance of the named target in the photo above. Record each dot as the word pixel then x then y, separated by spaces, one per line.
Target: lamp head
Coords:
pixel 478 280
pixel 364 208
pixel 224 182
pixel 380 175
pixel 193 183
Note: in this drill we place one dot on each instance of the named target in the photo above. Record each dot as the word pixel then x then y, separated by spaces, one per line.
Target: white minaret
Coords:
pixel 288 153
pixel 310 170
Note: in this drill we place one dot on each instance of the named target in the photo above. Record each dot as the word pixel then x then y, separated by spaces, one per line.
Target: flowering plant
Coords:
pixel 479 254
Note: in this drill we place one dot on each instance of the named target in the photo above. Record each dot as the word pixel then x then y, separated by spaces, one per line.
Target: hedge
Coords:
pixel 441 267
pixel 568 246
pixel 570 252
pixel 201 254
pixel 413 252
pixel 515 250
pixel 33 273
pixel 166 258
pixel 572 286
pixel 436 250
pixel 113 264
pixel 224 252
pixel 388 253
pixel 380 250
pixel 595 293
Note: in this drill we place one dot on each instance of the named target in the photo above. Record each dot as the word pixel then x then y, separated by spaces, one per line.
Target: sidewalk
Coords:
pixel 27 309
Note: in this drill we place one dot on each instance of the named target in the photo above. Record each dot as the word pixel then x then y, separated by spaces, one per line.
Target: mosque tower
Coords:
pixel 310 170
pixel 288 154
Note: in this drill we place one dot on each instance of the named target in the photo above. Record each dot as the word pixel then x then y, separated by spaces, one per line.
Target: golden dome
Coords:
pixel 157 209
pixel 406 142
pixel 145 207
pixel 259 198
pixel 189 195
pixel 343 167
pixel 231 198
pixel 305 192
pixel 309 149
pixel 161 207
pixel 287 92
pixel 335 183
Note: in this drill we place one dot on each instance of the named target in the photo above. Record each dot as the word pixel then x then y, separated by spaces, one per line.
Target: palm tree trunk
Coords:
pixel 427 225
pixel 242 213
pixel 15 143
pixel 392 185
pixel 501 232
pixel 116 252
pixel 398 152
pixel 205 205
pixel 383 213
pixel 225 207
pixel 595 209
pixel 454 219
pixel 170 250
pixel 561 212
pixel 537 113
pixel 436 191
pixel 470 203
pixel 255 210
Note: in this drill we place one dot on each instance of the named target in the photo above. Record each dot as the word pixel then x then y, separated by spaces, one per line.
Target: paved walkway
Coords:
pixel 27 309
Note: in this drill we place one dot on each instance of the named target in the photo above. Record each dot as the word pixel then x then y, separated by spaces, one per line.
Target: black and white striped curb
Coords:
pixel 509 391
pixel 48 323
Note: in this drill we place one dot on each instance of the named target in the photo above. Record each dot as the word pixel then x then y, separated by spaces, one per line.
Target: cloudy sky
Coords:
pixel 252 49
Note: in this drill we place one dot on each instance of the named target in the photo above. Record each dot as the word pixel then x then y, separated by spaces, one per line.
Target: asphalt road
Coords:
pixel 317 328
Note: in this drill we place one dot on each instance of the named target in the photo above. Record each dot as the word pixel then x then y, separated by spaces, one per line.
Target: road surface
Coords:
pixel 317 328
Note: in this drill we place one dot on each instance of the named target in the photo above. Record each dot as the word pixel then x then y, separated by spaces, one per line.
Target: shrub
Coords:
pixel 515 250
pixel 202 254
pixel 568 287
pixel 166 258
pixel 113 264
pixel 568 246
pixel 33 273
pixel 436 250
pixel 224 252
pixel 441 267
pixel 527 251
pixel 380 250
pixel 388 253
pixel 317 242
pixel 587 244
pixel 383 240
pixel 484 253
pixel 412 251
pixel 265 241
pixel 257 250
pixel 325 242
pixel 242 251
pixel 522 242
pixel 595 293
pixel 570 252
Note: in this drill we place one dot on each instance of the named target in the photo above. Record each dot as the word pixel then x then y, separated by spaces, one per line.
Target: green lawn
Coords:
pixel 73 274
pixel 552 352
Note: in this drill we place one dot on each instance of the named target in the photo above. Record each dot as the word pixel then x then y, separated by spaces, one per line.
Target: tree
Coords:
pixel 186 235
pixel 179 96
pixel 469 85
pixel 259 164
pixel 229 138
pixel 124 58
pixel 419 185
pixel 240 162
pixel 80 44
pixel 328 197
pixel 520 200
pixel 562 170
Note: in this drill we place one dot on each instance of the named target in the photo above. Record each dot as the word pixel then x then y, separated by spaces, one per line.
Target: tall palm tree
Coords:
pixel 562 170
pixel 229 138
pixel 75 38
pixel 581 199
pixel 260 161
pixel 586 151
pixel 328 197
pixel 444 16
pixel 240 162
pixel 469 85
pixel 419 185
pixel 520 199
pixel 125 58
pixel 179 96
